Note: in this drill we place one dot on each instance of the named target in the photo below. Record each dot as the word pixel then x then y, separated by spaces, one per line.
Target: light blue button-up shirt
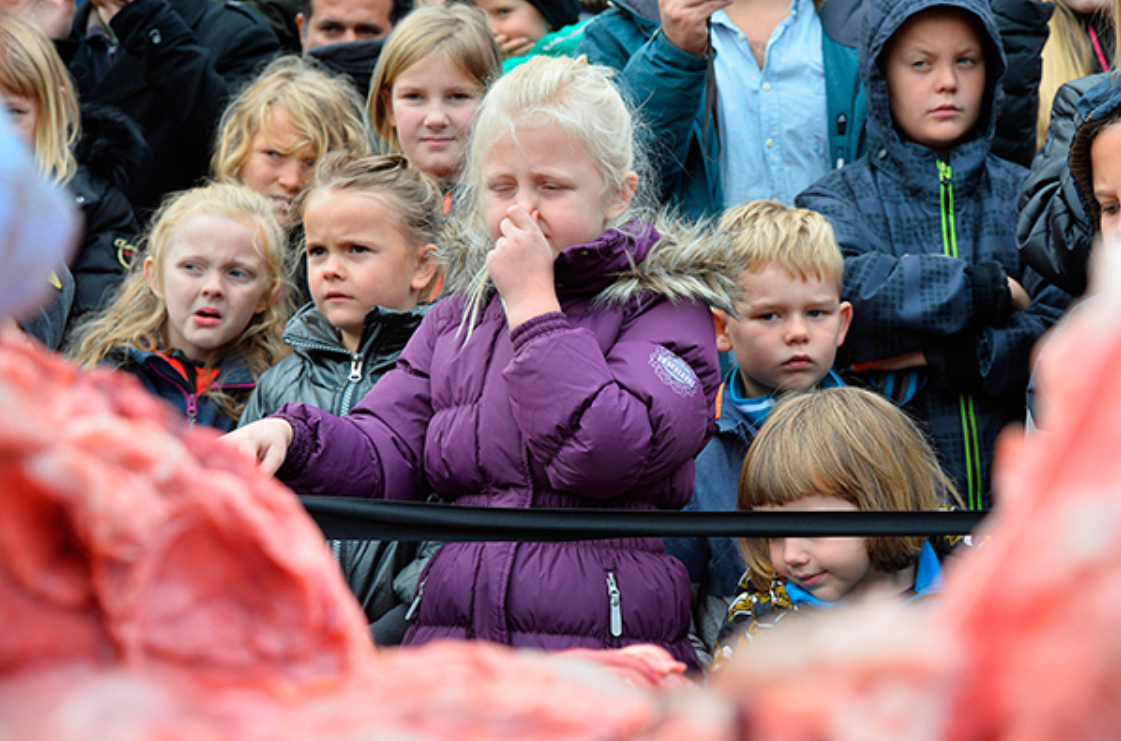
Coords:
pixel 772 121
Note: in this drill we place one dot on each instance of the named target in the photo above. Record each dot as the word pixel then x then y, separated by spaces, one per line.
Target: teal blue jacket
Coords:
pixel 674 93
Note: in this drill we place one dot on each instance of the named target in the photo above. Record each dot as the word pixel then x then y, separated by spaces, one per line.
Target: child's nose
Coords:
pixel 437 116
pixel 527 199
pixel 212 284
pixel 794 551
pixel 797 330
pixel 290 176
pixel 947 78
pixel 332 267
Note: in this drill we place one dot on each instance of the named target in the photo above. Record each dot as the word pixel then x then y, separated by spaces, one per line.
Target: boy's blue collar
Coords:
pixel 737 394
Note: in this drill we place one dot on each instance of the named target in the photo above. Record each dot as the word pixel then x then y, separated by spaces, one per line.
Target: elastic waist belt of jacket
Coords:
pixel 362 519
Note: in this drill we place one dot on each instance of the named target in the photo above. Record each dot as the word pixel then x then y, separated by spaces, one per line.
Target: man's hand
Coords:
pixel 685 22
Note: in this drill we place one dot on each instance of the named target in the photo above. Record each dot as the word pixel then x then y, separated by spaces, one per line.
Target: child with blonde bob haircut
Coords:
pixel 429 80
pixel 842 449
pixel 200 317
pixel 276 130
pixel 585 377
pixel 43 104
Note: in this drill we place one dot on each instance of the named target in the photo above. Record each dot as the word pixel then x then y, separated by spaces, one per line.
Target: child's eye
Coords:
pixel 817 313
pixel 769 316
pixel 240 274
pixel 500 188
pixel 967 61
pixel 1110 209
pixel 316 251
pixel 359 249
pixel 461 96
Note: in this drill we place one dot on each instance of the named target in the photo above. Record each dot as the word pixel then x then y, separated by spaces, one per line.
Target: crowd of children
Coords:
pixel 512 277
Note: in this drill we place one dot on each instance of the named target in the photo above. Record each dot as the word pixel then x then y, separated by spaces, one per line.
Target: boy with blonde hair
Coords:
pixel 790 322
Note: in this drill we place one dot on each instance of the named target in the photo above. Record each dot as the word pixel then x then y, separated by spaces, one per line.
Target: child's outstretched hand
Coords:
pixel 521 266
pixel 265 440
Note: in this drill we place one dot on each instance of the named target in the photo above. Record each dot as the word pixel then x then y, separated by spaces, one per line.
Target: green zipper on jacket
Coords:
pixel 965 401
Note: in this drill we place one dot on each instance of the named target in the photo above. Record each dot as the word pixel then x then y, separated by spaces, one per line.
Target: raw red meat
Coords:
pixel 155 586
pixel 129 540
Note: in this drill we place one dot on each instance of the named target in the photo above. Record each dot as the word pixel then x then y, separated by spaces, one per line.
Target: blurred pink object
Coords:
pixel 156 586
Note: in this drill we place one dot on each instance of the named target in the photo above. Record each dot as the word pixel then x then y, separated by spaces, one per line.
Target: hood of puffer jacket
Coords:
pixel 683 261
pixel 882 20
pixel 1098 107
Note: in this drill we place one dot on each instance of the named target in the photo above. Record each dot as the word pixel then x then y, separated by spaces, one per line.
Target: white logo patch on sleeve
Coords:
pixel 674 372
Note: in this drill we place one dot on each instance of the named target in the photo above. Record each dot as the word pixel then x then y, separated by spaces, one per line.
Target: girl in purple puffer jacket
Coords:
pixel 573 365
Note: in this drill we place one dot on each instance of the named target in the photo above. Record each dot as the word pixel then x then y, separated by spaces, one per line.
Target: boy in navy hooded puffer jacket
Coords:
pixel 946 312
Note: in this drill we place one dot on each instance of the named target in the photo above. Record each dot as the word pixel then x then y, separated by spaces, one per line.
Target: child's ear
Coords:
pixel 268 298
pixel 150 276
pixel 425 269
pixel 387 102
pixel 845 312
pixel 623 196
pixel 720 318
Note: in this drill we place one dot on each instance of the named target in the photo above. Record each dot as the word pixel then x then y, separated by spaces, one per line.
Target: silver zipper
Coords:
pixel 416 602
pixel 615 600
pixel 355 369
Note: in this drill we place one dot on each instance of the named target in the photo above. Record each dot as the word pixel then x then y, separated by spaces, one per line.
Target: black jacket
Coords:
pixel 111 143
pixel 178 63
pixel 383 575
pixel 1055 227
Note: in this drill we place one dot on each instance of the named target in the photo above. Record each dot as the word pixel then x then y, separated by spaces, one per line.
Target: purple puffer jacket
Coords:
pixel 603 405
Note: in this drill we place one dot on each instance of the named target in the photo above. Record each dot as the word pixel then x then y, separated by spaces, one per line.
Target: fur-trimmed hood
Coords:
pixel 683 261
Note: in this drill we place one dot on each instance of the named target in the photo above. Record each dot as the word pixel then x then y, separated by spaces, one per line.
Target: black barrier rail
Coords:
pixel 362 519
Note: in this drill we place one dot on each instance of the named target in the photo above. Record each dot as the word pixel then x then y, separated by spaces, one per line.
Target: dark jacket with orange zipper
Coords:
pixel 190 389
pixel 929 243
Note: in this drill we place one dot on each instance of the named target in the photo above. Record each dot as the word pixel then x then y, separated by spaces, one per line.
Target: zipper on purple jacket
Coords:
pixel 615 602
